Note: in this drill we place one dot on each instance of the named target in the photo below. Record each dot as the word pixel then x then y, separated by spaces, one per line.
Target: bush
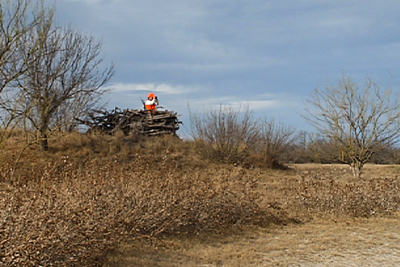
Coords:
pixel 276 139
pixel 68 211
pixel 225 135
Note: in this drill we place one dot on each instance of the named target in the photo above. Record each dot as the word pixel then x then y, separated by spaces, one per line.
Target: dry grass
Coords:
pixel 331 190
pixel 73 205
pixel 349 242
pixel 343 234
pixel 67 208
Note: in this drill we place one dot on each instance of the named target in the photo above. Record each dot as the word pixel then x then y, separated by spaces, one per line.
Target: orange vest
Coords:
pixel 151 107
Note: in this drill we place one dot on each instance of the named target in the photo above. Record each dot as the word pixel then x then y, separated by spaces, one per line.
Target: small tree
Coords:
pixel 358 122
pixel 15 55
pixel 62 78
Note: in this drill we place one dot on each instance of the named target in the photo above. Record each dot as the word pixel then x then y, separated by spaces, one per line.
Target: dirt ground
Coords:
pixel 317 242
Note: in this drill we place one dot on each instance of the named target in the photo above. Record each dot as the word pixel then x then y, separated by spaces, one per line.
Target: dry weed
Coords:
pixel 330 190
pixel 69 206
pixel 69 212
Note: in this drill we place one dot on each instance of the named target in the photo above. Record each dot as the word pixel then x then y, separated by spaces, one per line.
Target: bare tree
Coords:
pixel 65 118
pixel 357 121
pixel 17 20
pixel 62 80
pixel 15 26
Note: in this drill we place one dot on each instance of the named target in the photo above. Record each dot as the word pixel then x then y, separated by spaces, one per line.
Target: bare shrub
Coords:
pixel 70 206
pixel 275 142
pixel 68 212
pixel 225 135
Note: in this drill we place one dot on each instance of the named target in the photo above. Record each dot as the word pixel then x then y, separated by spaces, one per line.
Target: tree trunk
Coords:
pixel 357 168
pixel 42 139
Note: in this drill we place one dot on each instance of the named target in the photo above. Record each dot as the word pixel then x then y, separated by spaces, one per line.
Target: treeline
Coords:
pixel 354 124
pixel 307 148
pixel 230 135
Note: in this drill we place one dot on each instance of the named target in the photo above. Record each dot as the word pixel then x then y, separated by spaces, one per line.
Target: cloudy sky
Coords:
pixel 265 54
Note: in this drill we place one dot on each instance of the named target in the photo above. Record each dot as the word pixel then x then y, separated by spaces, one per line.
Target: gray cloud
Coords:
pixel 242 50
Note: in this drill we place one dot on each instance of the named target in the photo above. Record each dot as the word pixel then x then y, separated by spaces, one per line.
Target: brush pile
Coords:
pixel 133 121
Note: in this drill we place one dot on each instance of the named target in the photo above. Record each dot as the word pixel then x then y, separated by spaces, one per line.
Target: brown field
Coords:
pixel 323 236
pixel 118 201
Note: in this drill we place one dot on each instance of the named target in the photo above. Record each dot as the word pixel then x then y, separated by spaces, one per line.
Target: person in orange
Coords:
pixel 152 102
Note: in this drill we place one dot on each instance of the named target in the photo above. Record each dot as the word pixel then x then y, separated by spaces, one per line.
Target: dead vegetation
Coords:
pixel 71 205
pixel 331 190
pixel 66 209
pixel 130 121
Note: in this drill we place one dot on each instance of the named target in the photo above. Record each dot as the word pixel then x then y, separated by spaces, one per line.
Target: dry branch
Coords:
pixel 133 121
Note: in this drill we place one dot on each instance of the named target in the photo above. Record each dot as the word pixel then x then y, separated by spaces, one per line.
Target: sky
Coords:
pixel 267 55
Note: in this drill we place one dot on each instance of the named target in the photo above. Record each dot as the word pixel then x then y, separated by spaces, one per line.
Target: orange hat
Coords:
pixel 152 95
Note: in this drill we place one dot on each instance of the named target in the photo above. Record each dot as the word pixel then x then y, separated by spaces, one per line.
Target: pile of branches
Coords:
pixel 130 121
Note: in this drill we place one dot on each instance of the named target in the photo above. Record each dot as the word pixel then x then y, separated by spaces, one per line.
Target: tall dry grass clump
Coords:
pixel 68 210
